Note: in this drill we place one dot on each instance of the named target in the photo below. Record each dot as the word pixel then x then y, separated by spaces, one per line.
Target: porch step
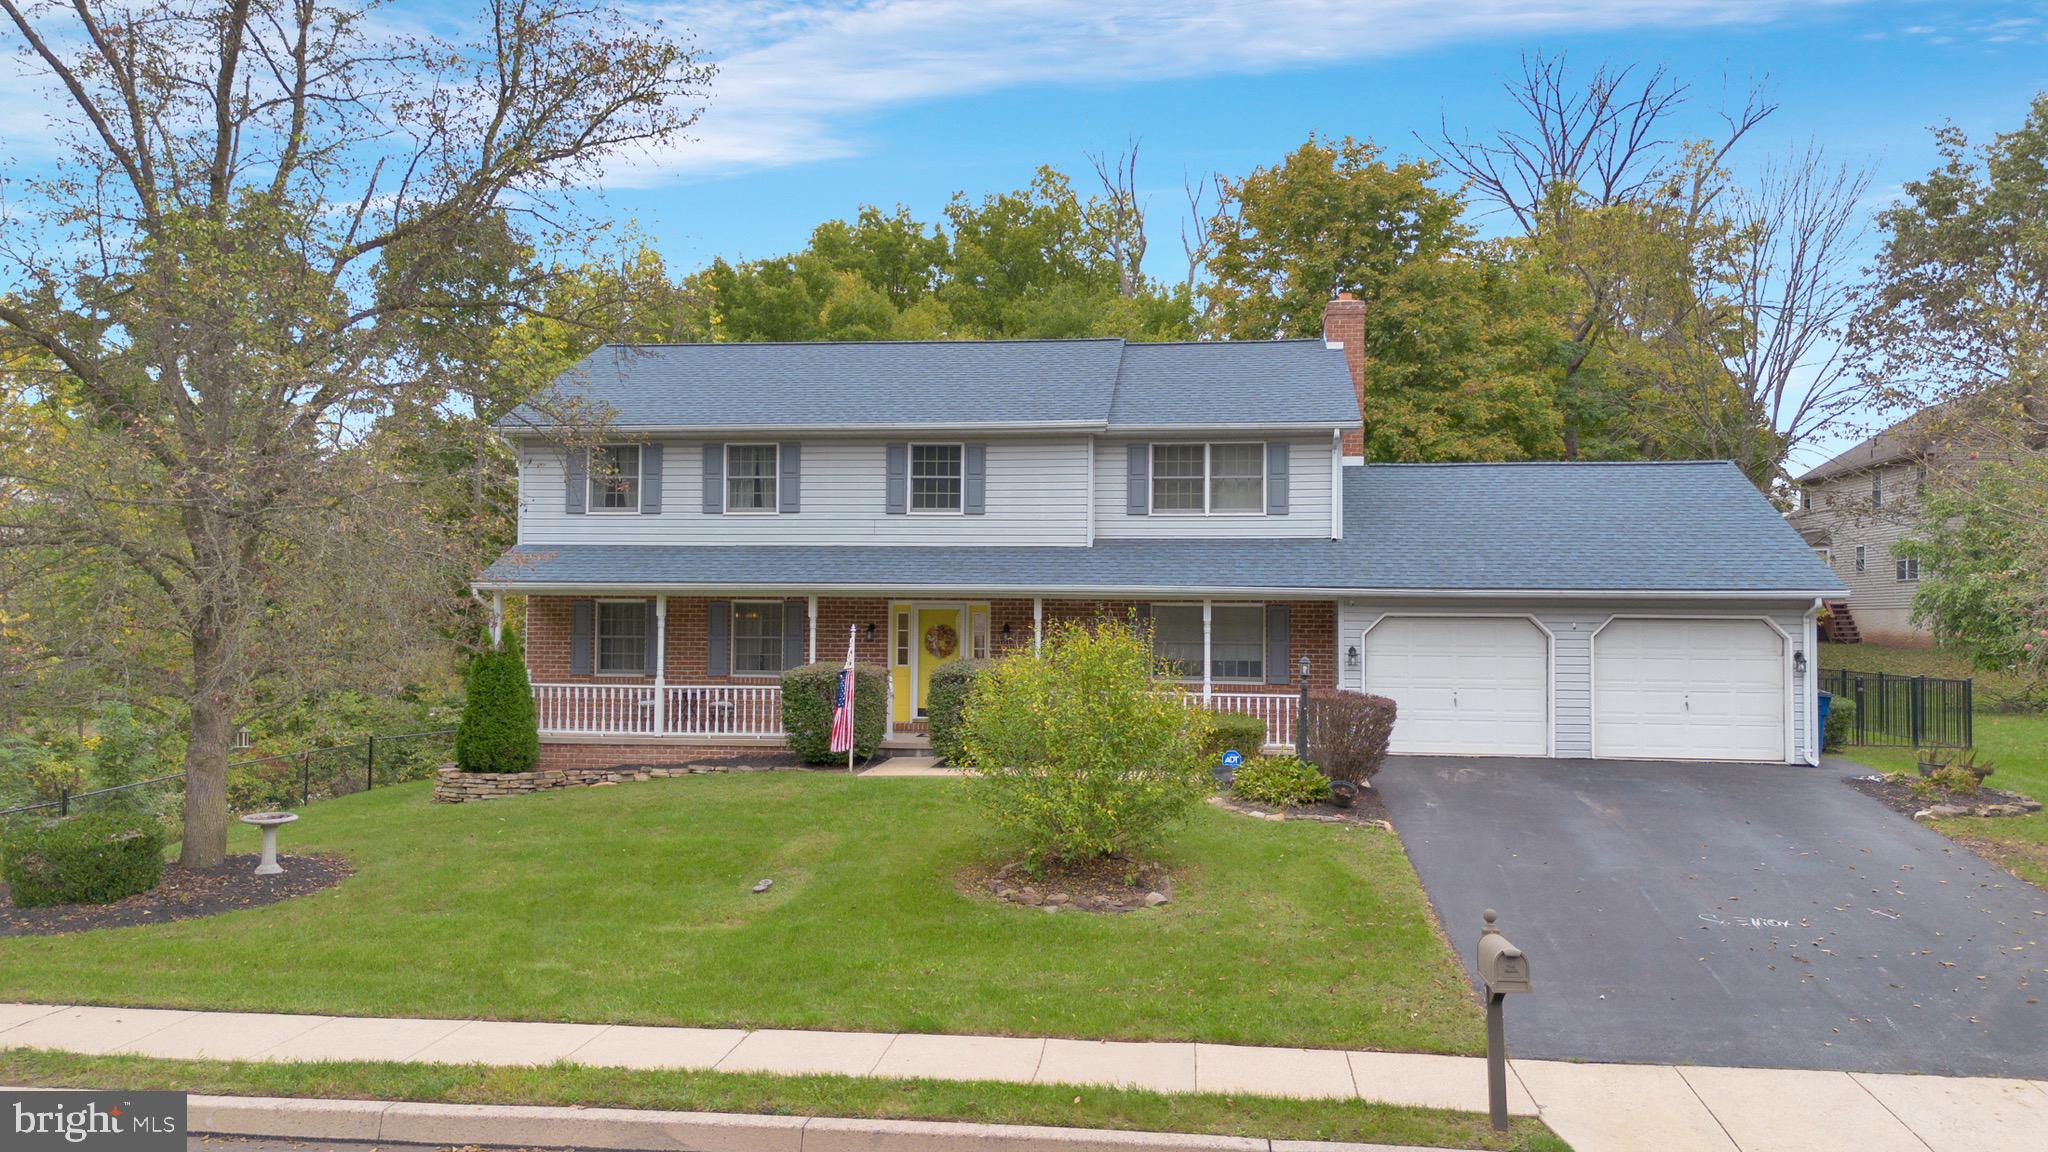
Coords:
pixel 1840 626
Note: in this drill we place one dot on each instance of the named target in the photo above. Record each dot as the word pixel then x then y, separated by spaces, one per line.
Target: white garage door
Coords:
pixel 1689 690
pixel 1464 685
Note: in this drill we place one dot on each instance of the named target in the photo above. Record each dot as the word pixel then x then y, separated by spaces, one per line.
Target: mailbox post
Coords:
pixel 1503 969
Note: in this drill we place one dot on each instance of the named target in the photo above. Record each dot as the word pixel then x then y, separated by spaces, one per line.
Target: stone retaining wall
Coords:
pixel 454 786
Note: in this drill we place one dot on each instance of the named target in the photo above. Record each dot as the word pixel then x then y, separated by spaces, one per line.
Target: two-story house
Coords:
pixel 1852 511
pixel 748 506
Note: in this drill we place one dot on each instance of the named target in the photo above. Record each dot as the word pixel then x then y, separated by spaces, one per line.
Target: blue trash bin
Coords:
pixel 1826 699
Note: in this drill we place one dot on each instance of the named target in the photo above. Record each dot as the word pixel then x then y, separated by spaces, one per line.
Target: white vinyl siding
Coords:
pixel 1036 494
pixel 1308 496
pixel 1571 625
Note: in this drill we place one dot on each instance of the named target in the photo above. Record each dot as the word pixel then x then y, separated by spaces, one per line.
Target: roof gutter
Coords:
pixel 1294 592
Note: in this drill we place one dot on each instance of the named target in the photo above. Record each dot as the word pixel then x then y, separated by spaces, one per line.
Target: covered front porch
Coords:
pixel 671 672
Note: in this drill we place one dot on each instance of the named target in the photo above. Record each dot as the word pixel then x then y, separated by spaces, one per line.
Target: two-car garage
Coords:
pixel 1575 683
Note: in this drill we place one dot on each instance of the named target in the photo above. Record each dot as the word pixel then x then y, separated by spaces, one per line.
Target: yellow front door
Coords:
pixel 939 637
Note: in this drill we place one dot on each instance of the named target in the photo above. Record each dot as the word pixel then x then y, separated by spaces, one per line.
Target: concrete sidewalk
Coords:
pixel 1596 1107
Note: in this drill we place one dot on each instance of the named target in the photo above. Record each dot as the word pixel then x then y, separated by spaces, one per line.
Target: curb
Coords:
pixel 634 1130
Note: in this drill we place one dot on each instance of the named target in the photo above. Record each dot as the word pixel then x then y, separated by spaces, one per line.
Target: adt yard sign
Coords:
pixel 1233 758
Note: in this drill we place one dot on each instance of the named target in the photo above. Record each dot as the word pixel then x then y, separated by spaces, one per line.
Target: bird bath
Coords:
pixel 269 822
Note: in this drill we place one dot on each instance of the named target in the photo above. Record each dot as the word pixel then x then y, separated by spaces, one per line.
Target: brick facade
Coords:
pixel 1312 631
pixel 558 755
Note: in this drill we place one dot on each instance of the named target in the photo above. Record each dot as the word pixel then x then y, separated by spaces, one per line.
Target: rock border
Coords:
pixel 1012 884
pixel 454 786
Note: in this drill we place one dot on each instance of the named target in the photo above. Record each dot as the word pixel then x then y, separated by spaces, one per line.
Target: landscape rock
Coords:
pixel 1154 899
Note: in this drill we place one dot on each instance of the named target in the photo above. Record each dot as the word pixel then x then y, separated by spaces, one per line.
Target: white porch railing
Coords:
pixel 752 710
pixel 743 710
pixel 1277 709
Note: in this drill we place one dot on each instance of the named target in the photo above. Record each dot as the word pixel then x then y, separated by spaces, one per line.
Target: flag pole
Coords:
pixel 852 691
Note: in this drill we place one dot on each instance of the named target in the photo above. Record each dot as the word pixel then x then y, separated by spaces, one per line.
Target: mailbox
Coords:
pixel 1502 967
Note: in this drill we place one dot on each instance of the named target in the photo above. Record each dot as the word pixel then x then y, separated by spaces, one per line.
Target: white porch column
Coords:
pixel 497 619
pixel 660 664
pixel 1207 686
pixel 1037 624
pixel 814 629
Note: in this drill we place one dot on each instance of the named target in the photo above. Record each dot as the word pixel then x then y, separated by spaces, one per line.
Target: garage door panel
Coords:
pixel 1678 689
pixel 1463 685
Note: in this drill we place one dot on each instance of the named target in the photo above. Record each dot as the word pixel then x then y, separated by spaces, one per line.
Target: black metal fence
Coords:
pixel 1903 711
pixel 288 780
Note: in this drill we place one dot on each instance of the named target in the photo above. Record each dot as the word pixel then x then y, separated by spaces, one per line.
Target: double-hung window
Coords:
pixel 1209 479
pixel 937 477
pixel 757 637
pixel 615 478
pixel 1237 641
pixel 1862 557
pixel 750 478
pixel 622 640
pixel 1908 569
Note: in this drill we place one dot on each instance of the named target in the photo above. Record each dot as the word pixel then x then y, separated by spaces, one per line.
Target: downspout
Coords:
pixel 1812 686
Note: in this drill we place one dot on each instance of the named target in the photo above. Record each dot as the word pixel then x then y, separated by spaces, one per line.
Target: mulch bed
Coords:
pixel 1108 885
pixel 182 894
pixel 1368 810
pixel 1984 802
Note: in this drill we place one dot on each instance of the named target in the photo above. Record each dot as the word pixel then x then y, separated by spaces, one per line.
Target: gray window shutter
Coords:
pixel 653 636
pixel 1277 654
pixel 1276 479
pixel 789 490
pixel 582 615
pixel 714 479
pixel 795 615
pixel 718 638
pixel 974 479
pixel 575 480
pixel 650 480
pixel 1138 469
pixel 1143 614
pixel 896 500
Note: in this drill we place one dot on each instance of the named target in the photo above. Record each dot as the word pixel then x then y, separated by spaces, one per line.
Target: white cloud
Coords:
pixel 795 80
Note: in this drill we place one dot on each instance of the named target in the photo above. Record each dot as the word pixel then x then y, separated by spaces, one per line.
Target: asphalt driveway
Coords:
pixel 1754 915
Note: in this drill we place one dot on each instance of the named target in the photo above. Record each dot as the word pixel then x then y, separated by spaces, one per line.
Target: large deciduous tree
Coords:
pixel 263 213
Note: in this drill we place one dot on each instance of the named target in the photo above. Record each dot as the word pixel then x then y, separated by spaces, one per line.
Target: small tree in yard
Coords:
pixel 499 731
pixel 1083 750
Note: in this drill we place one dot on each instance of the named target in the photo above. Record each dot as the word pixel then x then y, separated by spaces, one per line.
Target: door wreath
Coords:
pixel 941 640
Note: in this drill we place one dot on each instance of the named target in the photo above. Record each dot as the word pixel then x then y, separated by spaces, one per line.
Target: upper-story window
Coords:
pixel 1805 500
pixel 937 477
pixel 1909 569
pixel 622 639
pixel 1876 490
pixel 1862 558
pixel 1209 479
pixel 750 477
pixel 615 478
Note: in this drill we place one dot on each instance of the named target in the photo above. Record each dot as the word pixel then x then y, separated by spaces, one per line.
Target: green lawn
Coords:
pixel 2015 743
pixel 851 1096
pixel 631 904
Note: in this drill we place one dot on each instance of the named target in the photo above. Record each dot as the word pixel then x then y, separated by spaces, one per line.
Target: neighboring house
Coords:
pixel 750 504
pixel 1852 510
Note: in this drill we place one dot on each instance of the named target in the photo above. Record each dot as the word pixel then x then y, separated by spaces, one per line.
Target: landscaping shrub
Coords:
pixel 1077 751
pixel 1348 734
pixel 499 730
pixel 95 858
pixel 807 694
pixel 1955 780
pixel 1280 781
pixel 1834 735
pixel 1233 730
pixel 944 702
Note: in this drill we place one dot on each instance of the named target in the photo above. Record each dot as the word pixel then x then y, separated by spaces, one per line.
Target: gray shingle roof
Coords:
pixel 1694 527
pixel 1236 382
pixel 907 384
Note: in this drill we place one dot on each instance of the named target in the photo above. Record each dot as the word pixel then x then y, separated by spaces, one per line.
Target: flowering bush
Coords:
pixel 1084 749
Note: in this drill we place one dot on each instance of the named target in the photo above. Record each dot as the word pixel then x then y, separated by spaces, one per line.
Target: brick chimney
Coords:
pixel 1344 323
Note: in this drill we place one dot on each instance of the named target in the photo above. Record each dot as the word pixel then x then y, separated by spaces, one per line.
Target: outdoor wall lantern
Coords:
pixel 1799 663
pixel 1006 631
pixel 871 630
pixel 1351 657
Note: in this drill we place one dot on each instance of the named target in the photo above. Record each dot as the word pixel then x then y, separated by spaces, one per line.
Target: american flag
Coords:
pixel 842 704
